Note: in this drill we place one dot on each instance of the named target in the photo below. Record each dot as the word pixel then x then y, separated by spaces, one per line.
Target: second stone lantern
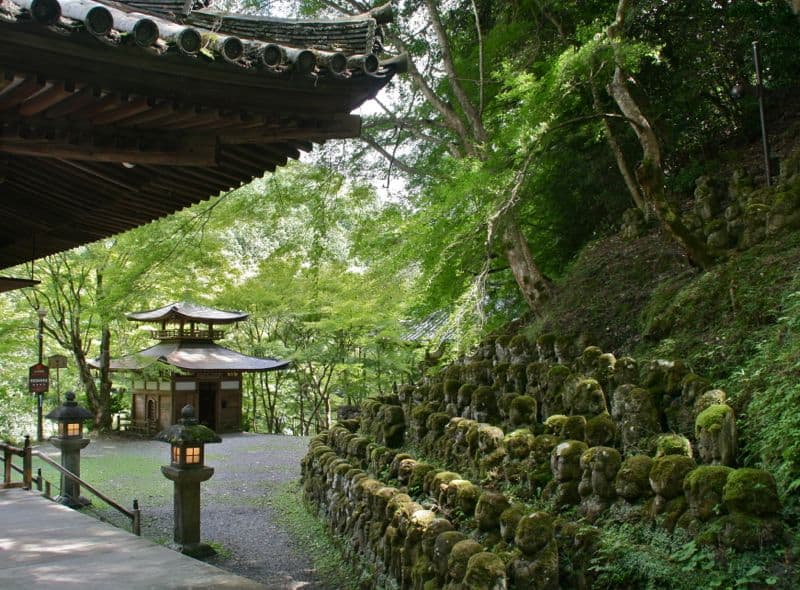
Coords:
pixel 187 471
pixel 70 418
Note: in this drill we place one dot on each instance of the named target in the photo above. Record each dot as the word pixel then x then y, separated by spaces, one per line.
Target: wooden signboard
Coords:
pixel 57 361
pixel 38 378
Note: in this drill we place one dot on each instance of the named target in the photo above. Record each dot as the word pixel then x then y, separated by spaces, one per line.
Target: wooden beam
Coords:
pixel 73 103
pixel 108 101
pixel 18 91
pixel 350 127
pixel 154 115
pixel 198 120
pixel 46 98
pixel 190 153
pixel 122 112
pixel 99 174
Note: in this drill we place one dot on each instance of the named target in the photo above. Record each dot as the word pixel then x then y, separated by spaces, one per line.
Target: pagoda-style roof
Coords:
pixel 188 312
pixel 193 355
pixel 113 114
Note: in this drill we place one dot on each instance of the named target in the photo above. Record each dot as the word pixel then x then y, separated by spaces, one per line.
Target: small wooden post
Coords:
pixel 39 479
pixel 7 458
pixel 47 491
pixel 27 464
pixel 136 523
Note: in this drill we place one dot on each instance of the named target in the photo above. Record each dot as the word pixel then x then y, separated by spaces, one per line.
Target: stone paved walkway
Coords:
pixel 45 545
pixel 248 469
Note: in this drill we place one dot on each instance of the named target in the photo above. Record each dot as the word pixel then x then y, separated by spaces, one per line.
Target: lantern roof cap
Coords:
pixel 188 430
pixel 69 410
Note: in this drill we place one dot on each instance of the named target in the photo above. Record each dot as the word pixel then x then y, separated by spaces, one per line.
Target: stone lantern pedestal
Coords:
pixel 69 440
pixel 71 461
pixel 187 471
pixel 186 508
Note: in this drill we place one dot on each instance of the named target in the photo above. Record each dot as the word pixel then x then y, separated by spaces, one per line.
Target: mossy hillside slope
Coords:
pixel 737 325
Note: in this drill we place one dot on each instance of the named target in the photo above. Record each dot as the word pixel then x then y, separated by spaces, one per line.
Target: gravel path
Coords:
pixel 235 514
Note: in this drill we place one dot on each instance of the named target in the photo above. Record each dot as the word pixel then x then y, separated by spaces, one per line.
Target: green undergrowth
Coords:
pixel 605 289
pixel 122 477
pixel 292 513
pixel 640 556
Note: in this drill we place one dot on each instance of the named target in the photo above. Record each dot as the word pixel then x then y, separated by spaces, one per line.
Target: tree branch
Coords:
pixel 480 58
pixel 451 118
pixel 394 161
pixel 478 131
pixel 627 175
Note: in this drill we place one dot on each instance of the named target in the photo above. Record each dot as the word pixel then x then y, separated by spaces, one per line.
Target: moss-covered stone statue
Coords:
pixel 565 464
pixel 704 489
pixel 552 401
pixel 633 478
pixel 458 560
pixel 634 411
pixel 585 399
pixel 488 510
pixel 666 479
pixel 715 431
pixel 537 566
pixel 442 548
pixel 599 467
pixel 750 497
pixel 484 405
pixel 485 571
pixel 522 411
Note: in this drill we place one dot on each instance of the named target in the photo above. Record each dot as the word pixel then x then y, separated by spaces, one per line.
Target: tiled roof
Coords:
pixel 112 117
pixel 189 312
pixel 191 355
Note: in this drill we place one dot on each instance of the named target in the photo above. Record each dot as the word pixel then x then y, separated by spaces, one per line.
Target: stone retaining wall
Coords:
pixel 493 460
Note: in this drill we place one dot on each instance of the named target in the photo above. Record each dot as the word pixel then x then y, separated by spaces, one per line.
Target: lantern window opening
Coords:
pixel 192 455
pixel 73 428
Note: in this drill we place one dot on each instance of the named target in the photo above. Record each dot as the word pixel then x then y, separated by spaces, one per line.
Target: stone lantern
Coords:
pixel 69 440
pixel 187 471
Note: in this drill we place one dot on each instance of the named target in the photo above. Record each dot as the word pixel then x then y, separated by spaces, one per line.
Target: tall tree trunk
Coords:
pixel 99 397
pixel 650 172
pixel 625 170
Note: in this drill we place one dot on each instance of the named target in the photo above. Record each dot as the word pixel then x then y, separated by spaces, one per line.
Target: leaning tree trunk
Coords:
pixel 650 172
pixel 534 285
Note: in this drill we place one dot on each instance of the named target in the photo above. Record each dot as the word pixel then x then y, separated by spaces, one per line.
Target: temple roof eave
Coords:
pixel 193 356
pixel 104 131
pixel 183 311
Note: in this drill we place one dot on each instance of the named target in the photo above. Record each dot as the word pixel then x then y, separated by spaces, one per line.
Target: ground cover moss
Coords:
pixel 325 550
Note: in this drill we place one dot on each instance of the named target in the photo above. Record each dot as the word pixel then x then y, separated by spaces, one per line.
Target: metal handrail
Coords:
pixel 27 454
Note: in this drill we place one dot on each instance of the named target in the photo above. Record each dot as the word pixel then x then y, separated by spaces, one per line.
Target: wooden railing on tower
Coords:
pixel 187 334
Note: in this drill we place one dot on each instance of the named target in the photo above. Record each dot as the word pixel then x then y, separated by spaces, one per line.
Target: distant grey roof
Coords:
pixel 193 355
pixel 191 312
pixel 432 327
